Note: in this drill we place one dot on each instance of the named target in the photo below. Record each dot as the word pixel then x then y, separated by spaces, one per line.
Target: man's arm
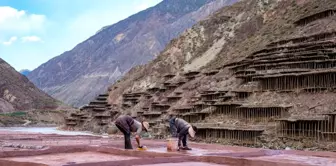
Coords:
pixel 137 136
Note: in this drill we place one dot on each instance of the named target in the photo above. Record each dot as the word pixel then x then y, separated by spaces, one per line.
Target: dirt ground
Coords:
pixel 29 149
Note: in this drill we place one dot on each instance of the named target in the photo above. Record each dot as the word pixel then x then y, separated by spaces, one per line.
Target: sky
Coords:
pixel 34 31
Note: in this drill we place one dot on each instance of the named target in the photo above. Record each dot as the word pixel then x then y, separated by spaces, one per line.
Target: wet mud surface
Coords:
pixel 193 152
pixel 70 158
pixel 185 163
pixel 307 160
pixel 27 149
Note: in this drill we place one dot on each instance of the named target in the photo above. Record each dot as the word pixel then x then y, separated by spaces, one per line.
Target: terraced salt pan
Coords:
pixel 185 164
pixel 70 158
pixel 297 159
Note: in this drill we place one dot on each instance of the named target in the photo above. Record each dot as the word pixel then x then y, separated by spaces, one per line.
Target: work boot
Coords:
pixel 186 148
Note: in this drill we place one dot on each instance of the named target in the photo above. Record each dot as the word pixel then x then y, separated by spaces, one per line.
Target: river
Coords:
pixel 44 130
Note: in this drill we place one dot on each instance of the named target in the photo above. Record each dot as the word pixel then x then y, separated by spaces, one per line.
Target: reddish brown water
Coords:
pixel 185 164
pixel 193 152
pixel 67 158
pixel 306 160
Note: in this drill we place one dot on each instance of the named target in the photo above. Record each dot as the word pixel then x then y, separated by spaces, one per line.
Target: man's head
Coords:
pixel 192 131
pixel 145 126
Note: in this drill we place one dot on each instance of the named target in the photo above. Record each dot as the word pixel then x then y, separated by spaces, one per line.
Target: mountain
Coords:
pixel 25 72
pixel 17 93
pixel 78 75
pixel 259 73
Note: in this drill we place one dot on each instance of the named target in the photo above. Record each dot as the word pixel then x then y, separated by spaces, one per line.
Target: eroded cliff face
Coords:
pixel 18 93
pixel 199 47
pixel 252 69
pixel 230 35
pixel 77 76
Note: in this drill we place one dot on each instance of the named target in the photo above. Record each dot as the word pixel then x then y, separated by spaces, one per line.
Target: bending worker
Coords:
pixel 181 129
pixel 126 124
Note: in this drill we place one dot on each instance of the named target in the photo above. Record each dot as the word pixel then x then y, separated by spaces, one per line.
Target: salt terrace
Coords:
pixel 27 149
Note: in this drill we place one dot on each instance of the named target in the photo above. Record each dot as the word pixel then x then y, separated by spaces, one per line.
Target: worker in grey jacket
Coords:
pixel 126 124
pixel 181 129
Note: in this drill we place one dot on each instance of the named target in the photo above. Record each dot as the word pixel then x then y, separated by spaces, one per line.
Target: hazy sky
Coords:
pixel 34 31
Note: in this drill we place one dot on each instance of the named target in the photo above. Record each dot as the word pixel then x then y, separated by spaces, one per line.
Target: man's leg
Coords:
pixel 128 143
pixel 127 138
pixel 184 142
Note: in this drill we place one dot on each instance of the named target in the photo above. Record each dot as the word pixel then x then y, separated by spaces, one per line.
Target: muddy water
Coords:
pixel 43 130
pixel 185 164
pixel 70 158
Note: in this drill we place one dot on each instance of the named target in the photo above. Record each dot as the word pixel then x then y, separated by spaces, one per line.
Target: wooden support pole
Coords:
pixel 305 131
pixel 264 114
pixel 311 129
pixel 293 130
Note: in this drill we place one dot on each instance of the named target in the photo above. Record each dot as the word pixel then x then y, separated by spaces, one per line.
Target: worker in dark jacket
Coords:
pixel 181 129
pixel 126 124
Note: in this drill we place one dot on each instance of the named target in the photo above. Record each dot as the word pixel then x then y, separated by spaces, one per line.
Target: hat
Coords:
pixel 145 125
pixel 191 132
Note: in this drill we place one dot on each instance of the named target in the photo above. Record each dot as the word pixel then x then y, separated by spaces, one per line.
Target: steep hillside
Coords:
pixel 77 76
pixel 230 35
pixel 260 73
pixel 202 46
pixel 18 93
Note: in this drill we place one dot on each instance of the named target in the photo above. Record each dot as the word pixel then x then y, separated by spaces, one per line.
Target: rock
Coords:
pixel 20 146
pixel 298 145
pixel 112 130
pixel 96 129
pixel 287 148
pixel 40 147
pixel 105 135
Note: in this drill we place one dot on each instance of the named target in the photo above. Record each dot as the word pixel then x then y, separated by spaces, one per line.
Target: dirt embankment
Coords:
pixel 32 118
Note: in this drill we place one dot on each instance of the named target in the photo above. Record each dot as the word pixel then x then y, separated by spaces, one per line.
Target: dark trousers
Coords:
pixel 127 137
pixel 184 140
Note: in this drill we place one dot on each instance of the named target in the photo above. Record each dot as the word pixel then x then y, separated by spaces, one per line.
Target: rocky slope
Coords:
pixel 78 75
pixel 230 35
pixel 17 93
pixel 206 45
pixel 259 73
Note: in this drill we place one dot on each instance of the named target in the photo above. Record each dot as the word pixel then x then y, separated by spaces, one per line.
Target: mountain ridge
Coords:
pixel 78 75
pixel 259 73
pixel 25 72
pixel 17 93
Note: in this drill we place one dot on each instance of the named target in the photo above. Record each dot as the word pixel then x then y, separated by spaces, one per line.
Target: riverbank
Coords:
pixel 42 130
pixel 33 118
